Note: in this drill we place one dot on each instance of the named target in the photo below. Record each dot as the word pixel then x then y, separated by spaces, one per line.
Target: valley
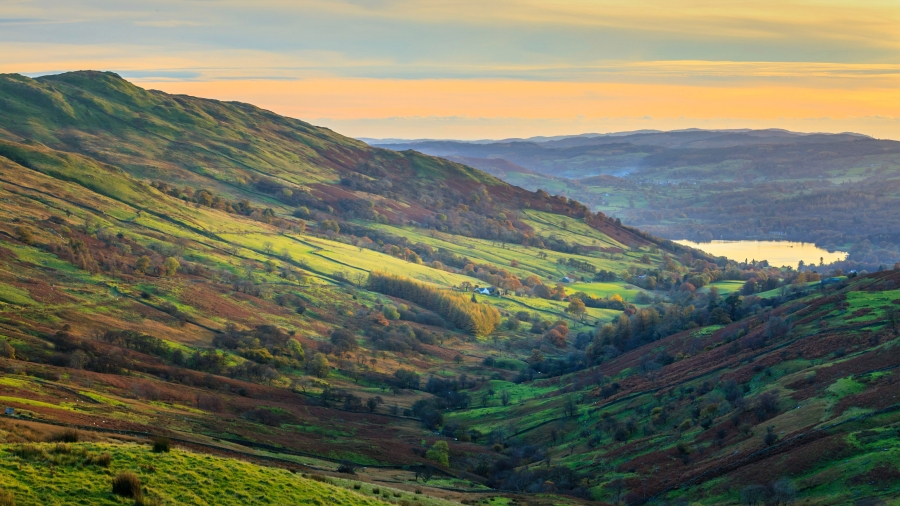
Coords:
pixel 233 305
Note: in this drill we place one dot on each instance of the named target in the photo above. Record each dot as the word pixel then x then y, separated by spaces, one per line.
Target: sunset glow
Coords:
pixel 466 70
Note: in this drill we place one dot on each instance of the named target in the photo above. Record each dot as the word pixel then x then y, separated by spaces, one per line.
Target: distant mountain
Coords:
pixel 497 167
pixel 537 139
pixel 722 184
pixel 592 154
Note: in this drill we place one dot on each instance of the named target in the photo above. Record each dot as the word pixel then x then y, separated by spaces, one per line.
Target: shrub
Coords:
pixel 66 436
pixel 24 234
pixel 347 467
pixel 7 498
pixel 28 451
pixel 127 485
pixel 161 444
pixel 390 312
pixel 102 460
pixel 320 478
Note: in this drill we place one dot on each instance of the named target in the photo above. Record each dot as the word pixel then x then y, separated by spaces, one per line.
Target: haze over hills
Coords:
pixel 397 328
pixel 704 185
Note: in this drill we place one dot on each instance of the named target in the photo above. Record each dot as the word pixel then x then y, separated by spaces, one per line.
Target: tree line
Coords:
pixel 459 310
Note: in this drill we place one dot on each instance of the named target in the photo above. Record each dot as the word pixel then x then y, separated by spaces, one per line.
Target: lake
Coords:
pixel 778 253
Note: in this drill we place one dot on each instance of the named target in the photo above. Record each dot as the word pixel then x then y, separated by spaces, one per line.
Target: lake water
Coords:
pixel 778 253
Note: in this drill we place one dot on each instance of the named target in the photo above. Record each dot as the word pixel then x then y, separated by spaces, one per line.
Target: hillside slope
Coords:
pixel 198 269
pixel 239 151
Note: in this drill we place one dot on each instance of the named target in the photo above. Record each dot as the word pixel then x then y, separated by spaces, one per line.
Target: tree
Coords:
pixel 142 264
pixel 719 316
pixel 505 397
pixel 891 315
pixel 770 438
pixel 753 494
pixel 390 312
pixel 296 349
pixel 570 409
pixel 358 277
pixel 332 225
pixel 577 308
pixel 344 340
pixel 373 402
pixel 439 453
pixel 319 366
pixel 733 302
pixel 170 266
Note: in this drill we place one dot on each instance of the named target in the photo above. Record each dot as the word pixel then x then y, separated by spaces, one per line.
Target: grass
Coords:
pixel 844 387
pixel 570 229
pixel 603 290
pixel 875 302
pixel 725 287
pixel 177 477
pixel 12 295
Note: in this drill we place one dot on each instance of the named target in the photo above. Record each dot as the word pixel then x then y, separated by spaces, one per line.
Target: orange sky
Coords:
pixel 471 69
pixel 454 108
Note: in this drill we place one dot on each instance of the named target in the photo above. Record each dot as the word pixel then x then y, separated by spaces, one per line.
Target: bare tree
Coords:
pixel 358 278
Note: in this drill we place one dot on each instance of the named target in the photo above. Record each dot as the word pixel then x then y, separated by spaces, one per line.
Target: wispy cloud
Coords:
pixel 168 23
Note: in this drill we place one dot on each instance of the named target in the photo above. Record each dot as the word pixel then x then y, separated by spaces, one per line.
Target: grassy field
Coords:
pixel 178 477
pixel 604 290
pixel 726 287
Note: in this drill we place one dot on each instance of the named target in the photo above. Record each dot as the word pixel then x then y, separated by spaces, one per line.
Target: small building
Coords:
pixel 10 412
pixel 566 279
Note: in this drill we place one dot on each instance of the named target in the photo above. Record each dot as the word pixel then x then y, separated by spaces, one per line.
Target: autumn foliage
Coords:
pixel 458 309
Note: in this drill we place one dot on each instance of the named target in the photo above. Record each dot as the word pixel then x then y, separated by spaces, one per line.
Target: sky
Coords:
pixel 490 69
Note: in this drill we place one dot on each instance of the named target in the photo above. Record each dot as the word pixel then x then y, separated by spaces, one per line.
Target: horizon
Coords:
pixel 510 69
pixel 607 134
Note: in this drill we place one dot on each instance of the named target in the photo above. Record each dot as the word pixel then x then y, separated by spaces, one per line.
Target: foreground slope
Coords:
pixel 177 477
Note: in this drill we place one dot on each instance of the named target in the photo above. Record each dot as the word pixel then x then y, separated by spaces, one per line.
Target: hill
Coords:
pixel 193 268
pixel 268 292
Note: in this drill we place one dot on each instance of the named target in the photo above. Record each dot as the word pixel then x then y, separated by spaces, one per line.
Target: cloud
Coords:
pixel 869 22
pixel 169 23
pixel 20 21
